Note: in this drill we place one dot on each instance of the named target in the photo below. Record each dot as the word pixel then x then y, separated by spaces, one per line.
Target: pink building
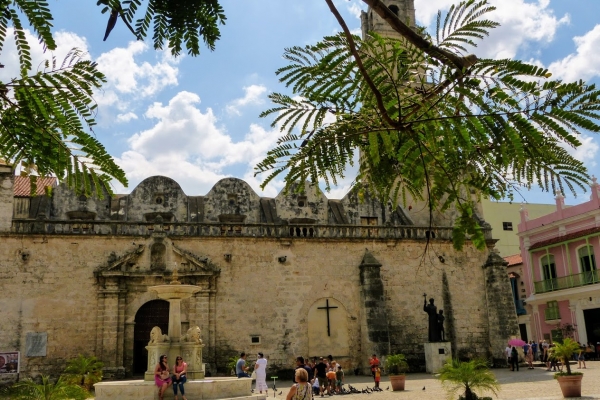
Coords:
pixel 560 272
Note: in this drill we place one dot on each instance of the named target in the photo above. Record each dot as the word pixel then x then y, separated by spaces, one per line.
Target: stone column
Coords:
pixel 575 305
pixel 175 320
pixel 374 313
pixel 502 316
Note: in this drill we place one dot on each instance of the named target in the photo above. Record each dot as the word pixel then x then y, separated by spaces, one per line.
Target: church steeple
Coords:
pixel 371 21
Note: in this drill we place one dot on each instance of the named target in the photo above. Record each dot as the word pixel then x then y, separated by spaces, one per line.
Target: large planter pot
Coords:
pixel 397 382
pixel 570 385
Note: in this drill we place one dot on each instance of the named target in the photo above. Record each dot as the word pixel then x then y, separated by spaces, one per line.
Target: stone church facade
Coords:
pixel 298 274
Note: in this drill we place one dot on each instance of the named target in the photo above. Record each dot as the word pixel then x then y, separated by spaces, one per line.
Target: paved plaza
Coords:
pixel 534 384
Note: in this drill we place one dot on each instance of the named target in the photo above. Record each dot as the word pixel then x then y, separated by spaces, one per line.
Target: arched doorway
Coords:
pixel 328 329
pixel 153 313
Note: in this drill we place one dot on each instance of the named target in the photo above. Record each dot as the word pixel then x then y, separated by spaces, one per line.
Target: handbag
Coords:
pixel 253 376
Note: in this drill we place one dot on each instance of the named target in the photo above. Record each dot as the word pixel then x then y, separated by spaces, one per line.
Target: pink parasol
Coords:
pixel 517 342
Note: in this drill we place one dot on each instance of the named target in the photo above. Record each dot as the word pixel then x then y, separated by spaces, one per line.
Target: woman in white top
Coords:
pixel 261 373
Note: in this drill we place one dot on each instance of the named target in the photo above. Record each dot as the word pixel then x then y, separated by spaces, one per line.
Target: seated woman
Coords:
pixel 179 376
pixel 162 377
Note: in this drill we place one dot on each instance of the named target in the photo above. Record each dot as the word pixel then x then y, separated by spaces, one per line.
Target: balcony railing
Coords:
pixel 566 282
pixel 551 314
pixel 96 227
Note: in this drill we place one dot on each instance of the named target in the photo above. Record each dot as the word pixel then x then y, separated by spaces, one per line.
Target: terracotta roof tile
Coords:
pixel 22 186
pixel 560 239
pixel 513 260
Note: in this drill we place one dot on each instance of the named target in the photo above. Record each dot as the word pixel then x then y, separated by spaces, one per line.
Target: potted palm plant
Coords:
pixel 396 366
pixel 570 382
pixel 469 377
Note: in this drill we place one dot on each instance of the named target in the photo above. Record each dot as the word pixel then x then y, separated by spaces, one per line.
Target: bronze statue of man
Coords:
pixel 431 310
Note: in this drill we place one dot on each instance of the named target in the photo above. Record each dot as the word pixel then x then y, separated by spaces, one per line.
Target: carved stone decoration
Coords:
pixel 192 335
pixel 156 336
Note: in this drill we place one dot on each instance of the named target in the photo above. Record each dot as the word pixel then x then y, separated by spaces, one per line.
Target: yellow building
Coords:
pixel 504 218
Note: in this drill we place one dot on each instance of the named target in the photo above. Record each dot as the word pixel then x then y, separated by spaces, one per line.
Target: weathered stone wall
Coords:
pixel 55 291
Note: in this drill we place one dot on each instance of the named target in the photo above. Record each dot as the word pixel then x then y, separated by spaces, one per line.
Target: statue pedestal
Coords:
pixel 191 353
pixel 154 353
pixel 436 354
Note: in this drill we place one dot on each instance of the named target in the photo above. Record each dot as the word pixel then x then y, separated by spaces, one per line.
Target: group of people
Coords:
pixel 543 351
pixel 164 379
pixel 324 374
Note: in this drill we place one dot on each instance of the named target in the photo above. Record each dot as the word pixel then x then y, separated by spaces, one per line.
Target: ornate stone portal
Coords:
pixel 189 346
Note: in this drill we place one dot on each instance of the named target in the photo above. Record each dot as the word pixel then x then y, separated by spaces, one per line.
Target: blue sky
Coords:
pixel 195 119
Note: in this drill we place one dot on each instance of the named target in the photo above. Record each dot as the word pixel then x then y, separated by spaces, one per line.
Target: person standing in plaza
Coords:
pixel 321 373
pixel 507 351
pixel 529 357
pixel 300 364
pixel 261 373
pixel 339 379
pixel 514 359
pixel 534 348
pixel 240 367
pixel 179 377
pixel 581 358
pixel 545 348
pixel 374 363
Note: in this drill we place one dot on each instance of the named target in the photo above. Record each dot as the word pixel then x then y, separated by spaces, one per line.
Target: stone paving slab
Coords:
pixel 536 384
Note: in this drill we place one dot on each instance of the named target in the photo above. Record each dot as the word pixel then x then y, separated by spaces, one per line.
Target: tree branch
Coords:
pixel 414 38
pixel 360 65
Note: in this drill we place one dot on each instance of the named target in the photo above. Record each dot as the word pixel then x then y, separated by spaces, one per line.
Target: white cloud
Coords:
pixel 522 23
pixel 190 146
pixel 126 117
pixel 253 96
pixel 65 42
pixel 584 63
pixel 587 152
pixel 126 75
pixel 355 9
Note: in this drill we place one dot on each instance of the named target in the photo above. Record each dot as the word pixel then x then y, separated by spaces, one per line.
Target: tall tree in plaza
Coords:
pixel 428 122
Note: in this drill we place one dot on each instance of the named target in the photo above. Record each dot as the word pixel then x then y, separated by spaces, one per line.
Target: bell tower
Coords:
pixel 371 21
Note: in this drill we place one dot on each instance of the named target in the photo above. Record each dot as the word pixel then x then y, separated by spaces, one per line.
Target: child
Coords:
pixel 316 388
pixel 377 376
pixel 339 377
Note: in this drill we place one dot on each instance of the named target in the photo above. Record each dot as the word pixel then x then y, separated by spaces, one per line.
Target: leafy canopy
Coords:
pixel 428 123
pixel 174 22
pixel 47 115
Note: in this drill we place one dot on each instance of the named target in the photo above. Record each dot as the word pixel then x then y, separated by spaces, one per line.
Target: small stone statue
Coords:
pixel 156 336
pixel 440 326
pixel 192 335
pixel 431 310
